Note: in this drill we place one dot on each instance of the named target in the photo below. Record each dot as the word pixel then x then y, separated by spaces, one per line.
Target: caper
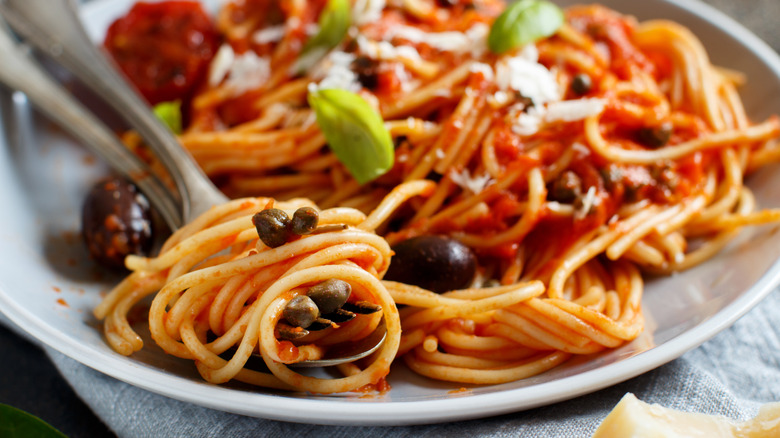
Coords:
pixel 304 220
pixel 361 307
pixel 300 311
pixel 290 333
pixel 340 316
pixel 656 136
pixel 581 84
pixel 567 187
pixel 330 294
pixel 320 324
pixel 273 227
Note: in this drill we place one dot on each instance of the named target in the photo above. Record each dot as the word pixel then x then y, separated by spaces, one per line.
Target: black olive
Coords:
pixel 435 263
pixel 567 187
pixel 304 220
pixel 330 294
pixel 300 311
pixel 367 71
pixel 116 221
pixel 581 84
pixel 273 227
pixel 656 136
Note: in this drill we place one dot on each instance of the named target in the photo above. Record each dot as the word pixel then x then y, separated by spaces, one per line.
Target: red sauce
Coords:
pixel 287 351
pixel 381 386
pixel 163 48
pixel 62 302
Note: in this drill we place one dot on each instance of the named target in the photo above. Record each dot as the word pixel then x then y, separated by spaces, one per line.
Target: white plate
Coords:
pixel 48 287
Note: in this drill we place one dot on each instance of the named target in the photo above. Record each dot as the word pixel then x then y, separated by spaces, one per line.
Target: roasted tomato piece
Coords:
pixel 163 48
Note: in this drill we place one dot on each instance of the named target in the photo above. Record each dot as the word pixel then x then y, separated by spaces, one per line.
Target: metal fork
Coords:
pixel 22 73
pixel 54 28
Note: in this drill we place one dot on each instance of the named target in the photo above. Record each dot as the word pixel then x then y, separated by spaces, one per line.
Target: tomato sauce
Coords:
pixel 163 48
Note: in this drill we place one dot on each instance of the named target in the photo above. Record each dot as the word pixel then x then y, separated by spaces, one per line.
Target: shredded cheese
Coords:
pixel 335 72
pixel 529 78
pixel 474 40
pixel 383 50
pixel 588 201
pixel 574 110
pixel 474 184
pixel 525 121
pixel 220 65
pixel 270 34
pixel 367 11
pixel 485 69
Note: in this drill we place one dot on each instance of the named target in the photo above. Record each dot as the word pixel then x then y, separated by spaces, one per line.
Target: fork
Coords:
pixel 22 73
pixel 54 28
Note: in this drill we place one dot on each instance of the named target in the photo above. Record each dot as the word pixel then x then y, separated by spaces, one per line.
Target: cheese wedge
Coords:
pixel 632 418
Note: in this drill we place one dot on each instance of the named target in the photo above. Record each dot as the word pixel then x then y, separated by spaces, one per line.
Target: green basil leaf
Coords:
pixel 15 423
pixel 170 114
pixel 334 23
pixel 355 132
pixel 524 22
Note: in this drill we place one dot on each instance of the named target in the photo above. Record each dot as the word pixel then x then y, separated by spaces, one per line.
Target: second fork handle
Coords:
pixel 23 74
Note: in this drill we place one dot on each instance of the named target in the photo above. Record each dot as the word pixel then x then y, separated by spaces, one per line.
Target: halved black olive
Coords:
pixel 116 221
pixel 436 263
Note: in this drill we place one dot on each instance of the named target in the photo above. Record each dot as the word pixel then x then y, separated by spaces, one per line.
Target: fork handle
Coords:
pixel 54 27
pixel 20 72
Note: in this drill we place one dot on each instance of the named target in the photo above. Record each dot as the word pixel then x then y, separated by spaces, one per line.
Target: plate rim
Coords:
pixel 302 410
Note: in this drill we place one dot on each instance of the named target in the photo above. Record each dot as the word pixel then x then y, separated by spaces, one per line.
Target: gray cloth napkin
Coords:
pixel 731 375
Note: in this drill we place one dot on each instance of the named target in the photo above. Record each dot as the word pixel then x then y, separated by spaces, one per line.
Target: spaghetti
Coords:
pixel 569 166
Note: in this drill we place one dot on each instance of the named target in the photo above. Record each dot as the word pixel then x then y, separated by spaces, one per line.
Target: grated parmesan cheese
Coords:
pixel 529 78
pixel 475 184
pixel 588 201
pixel 248 72
pixel 526 121
pixel 270 34
pixel 384 51
pixel 574 110
pixel 474 40
pixel 243 72
pixel 220 65
pixel 406 79
pixel 485 69
pixel 367 11
pixel 335 72
pixel 581 148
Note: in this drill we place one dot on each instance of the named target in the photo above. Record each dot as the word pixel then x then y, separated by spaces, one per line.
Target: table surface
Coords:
pixel 31 382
